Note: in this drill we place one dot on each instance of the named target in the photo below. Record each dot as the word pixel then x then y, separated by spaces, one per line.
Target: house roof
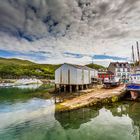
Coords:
pixel 106 72
pixel 79 66
pixel 120 64
pixel 110 73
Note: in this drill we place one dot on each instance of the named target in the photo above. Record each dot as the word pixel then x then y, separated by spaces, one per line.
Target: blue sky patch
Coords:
pixel 108 57
pixel 34 55
pixel 75 55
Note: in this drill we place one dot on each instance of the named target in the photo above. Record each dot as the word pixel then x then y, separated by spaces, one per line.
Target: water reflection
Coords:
pixel 30 86
pixel 19 93
pixel 115 122
pixel 36 119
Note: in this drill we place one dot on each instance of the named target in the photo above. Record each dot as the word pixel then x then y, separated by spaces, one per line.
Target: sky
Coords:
pixel 72 31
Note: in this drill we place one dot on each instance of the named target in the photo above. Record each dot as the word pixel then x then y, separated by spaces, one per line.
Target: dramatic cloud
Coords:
pixel 55 31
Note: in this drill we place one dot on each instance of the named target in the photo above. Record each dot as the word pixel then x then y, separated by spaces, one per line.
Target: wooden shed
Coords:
pixel 70 76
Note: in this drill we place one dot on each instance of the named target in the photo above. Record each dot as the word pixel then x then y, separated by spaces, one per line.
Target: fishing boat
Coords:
pixel 133 85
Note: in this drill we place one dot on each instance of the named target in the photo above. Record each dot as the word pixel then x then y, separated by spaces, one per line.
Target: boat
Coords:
pixel 133 85
pixel 111 82
pixel 27 81
pixel 23 83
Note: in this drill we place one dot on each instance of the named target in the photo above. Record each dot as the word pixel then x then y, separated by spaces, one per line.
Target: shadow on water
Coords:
pixel 36 119
pixel 21 93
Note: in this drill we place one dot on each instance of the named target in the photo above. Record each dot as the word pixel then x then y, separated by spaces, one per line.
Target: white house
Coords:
pixel 120 69
pixel 74 75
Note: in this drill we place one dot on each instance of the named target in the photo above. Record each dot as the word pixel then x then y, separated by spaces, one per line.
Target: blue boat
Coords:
pixel 134 85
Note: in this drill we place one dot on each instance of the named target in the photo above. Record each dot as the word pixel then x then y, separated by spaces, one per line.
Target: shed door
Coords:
pixel 68 76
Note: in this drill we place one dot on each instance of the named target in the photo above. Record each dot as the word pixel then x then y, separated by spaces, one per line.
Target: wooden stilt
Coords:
pixel 77 87
pixel 65 88
pixel 55 87
pixel 59 88
pixel 82 87
pixel 70 89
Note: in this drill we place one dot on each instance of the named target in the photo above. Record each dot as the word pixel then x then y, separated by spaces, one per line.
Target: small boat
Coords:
pixel 133 85
pixel 111 82
pixel 22 83
pixel 27 81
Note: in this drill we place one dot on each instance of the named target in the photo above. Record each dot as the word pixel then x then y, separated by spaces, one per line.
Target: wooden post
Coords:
pixel 70 88
pixel 59 88
pixel 77 87
pixel 82 87
pixel 55 87
pixel 65 88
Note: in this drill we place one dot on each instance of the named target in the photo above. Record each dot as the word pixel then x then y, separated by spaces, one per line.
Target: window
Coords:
pixel 118 69
pixel 118 74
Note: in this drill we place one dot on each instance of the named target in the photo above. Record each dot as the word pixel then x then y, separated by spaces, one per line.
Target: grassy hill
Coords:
pixel 15 61
pixel 95 66
pixel 17 68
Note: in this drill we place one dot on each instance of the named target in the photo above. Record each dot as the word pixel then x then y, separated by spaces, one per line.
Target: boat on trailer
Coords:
pixel 133 85
pixel 111 82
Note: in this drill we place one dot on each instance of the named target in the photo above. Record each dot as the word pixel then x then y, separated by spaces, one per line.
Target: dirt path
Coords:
pixel 98 95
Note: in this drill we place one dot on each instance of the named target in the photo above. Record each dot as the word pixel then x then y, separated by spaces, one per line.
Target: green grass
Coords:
pixel 96 66
pixel 16 68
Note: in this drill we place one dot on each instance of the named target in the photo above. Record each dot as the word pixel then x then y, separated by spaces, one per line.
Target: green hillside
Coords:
pixel 16 68
pixel 95 66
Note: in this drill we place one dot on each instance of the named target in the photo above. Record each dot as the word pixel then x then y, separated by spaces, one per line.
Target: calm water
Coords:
pixel 26 118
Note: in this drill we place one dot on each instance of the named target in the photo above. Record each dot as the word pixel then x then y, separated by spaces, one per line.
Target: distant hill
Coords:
pixel 96 66
pixel 17 68
pixel 15 61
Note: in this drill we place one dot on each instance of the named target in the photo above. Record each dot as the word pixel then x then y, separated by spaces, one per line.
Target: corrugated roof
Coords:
pixel 79 66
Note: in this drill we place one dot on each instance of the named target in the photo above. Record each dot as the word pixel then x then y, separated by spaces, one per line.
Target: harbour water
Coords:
pixel 23 117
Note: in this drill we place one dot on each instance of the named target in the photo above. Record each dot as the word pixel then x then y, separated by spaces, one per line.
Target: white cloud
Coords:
pixel 86 27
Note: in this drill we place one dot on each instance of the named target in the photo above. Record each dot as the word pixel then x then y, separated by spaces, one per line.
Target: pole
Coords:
pixel 138 52
pixel 133 57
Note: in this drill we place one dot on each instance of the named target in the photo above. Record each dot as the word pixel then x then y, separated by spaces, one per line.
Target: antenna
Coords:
pixel 92 60
pixel 133 56
pixel 138 52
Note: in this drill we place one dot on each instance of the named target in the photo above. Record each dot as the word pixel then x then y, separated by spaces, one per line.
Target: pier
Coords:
pixel 98 96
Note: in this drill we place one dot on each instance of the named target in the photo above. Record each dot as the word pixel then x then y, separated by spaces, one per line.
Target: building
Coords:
pixel 120 69
pixel 74 77
pixel 102 74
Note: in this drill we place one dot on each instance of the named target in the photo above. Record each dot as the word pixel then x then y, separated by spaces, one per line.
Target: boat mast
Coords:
pixel 133 56
pixel 138 53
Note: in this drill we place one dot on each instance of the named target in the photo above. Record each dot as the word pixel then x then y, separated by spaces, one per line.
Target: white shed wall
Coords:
pixel 57 76
pixel 61 75
pixel 79 77
pixel 94 74
pixel 76 77
pixel 86 77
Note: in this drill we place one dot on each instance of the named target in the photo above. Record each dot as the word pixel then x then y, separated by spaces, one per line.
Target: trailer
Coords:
pixel 111 82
